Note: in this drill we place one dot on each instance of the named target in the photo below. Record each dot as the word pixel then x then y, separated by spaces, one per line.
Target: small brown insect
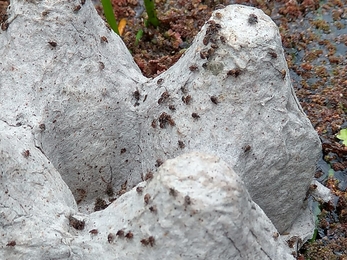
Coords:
pixel 151 241
pixel 193 68
pixel 204 54
pixel 214 46
pixel 110 237
pixel 172 107
pixel 11 243
pixel 223 39
pixel 101 65
pixel 123 150
pixel 45 13
pixel 103 39
pixel 275 235
pixel 149 176
pixel 187 99
pixel 252 19
pixel 283 73
pixel 172 192
pixel 123 188
pixel 53 44
pixel 94 231
pixel 195 115
pixel 273 54
pixel 77 8
pixel 26 153
pixel 181 144
pixel 160 81
pixel 187 200
pixel 184 89
pixel 163 97
pixel 75 223
pixel 234 72
pixel 204 65
pixel 129 235
pixel 139 189
pixel 42 127
pixel 158 162
pixel 211 22
pixel 214 100
pixel 83 2
pixel 218 14
pixel 211 51
pixel 206 39
pixel 136 95
pixel 246 148
pixel 153 209
pixel 4 26
pixel 154 123
pixel 146 198
pixel 144 242
pixel 120 233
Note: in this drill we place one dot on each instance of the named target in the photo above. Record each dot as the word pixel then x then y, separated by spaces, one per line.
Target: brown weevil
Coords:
pixel 94 231
pixel 181 144
pixel 77 8
pixel 151 241
pixel 234 72
pixel 214 100
pixel 129 235
pixel 149 176
pixel 146 198
pixel 120 233
pixel 110 237
pixel 163 97
pixel 11 243
pixel 195 115
pixel 252 19
pixel 75 223
pixel 103 39
pixel 53 44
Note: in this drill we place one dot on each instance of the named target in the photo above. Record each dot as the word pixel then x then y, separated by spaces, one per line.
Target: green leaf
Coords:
pixel 343 136
pixel 108 11
pixel 152 15
pixel 138 36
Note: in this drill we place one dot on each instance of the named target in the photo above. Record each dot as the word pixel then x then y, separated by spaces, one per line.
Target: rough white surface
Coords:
pixel 34 200
pixel 77 100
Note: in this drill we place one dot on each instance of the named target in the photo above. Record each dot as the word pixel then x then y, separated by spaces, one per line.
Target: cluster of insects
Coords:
pixel 211 30
pixel 164 119
pixel 121 234
pixel 149 241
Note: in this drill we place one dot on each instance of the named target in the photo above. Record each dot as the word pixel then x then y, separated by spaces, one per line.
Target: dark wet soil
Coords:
pixel 314 37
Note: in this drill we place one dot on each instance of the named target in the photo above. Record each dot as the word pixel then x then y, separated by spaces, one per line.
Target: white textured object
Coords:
pixel 69 85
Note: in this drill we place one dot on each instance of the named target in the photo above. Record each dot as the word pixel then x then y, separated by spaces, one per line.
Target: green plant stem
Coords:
pixel 152 15
pixel 108 11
